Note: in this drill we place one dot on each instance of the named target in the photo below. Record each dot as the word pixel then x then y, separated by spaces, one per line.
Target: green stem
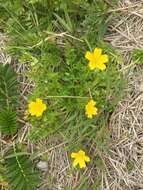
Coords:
pixel 66 97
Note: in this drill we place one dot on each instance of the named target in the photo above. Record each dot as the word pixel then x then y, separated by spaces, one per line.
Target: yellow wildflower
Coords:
pixel 90 109
pixel 97 59
pixel 80 158
pixel 37 108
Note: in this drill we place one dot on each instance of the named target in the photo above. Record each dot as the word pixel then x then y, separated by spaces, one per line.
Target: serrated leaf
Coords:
pixel 20 171
pixel 8 123
pixel 8 87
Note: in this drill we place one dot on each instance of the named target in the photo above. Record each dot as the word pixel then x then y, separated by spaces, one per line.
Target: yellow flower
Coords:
pixel 37 108
pixel 90 109
pixel 97 59
pixel 80 158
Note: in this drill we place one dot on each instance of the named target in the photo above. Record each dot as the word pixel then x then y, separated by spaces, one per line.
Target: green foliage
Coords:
pixel 20 171
pixel 36 38
pixel 137 56
pixel 8 122
pixel 9 94
pixel 62 69
pixel 28 21
pixel 8 87
pixel 84 184
pixel 96 22
pixel 71 77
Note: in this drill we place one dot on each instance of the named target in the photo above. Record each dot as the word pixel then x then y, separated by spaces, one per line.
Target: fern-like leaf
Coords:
pixel 8 123
pixel 8 87
pixel 20 171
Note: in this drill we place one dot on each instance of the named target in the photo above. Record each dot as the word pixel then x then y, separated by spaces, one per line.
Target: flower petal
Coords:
pixel 97 52
pixel 81 152
pixel 31 104
pixel 89 55
pixel 95 111
pixel 92 65
pixel 38 100
pixel 89 115
pixel 92 102
pixel 75 162
pixel 87 159
pixel 104 58
pixel 44 107
pixel 101 66
pixel 38 114
pixel 73 155
pixel 82 164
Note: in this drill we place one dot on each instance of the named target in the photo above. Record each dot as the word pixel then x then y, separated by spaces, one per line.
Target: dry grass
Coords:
pixel 125 162
pixel 125 170
pixel 126 158
pixel 126 33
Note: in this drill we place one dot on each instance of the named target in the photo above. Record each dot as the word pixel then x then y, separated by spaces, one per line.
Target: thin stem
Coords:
pixel 88 44
pixel 66 97
pixel 90 93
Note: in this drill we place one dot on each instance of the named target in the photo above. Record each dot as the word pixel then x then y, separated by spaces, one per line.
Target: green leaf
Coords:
pixel 17 154
pixel 137 56
pixel 66 24
pixel 8 87
pixel 8 124
pixel 20 171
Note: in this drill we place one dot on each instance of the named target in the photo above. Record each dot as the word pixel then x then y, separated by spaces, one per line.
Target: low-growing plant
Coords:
pixel 20 172
pixel 66 85
pixel 9 95
pixel 16 168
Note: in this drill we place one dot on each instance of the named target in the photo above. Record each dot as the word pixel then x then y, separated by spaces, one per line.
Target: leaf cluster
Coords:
pixel 9 95
pixel 16 169
pixel 20 172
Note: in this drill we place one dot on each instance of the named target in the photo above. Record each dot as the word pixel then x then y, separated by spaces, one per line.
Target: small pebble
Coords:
pixel 42 165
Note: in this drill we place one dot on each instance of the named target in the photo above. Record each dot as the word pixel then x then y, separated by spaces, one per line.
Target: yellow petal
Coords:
pixel 104 58
pixel 94 111
pixel 38 114
pixel 75 162
pixel 82 164
pixel 92 65
pixel 87 159
pixel 38 100
pixel 97 52
pixel 92 102
pixel 44 107
pixel 81 152
pixel 31 104
pixel 101 66
pixel 89 115
pixel 73 155
pixel 89 55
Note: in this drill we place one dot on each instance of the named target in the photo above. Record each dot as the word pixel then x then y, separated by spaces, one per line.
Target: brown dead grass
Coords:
pixel 125 162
